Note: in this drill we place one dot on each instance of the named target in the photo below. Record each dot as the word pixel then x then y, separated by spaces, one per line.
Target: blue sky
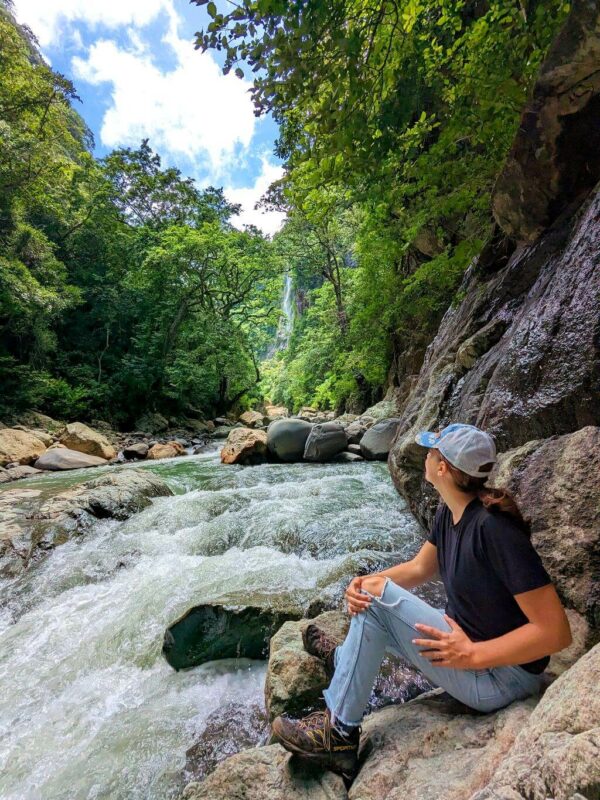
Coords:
pixel 136 71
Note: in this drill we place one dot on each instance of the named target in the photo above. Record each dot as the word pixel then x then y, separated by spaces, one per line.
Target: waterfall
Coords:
pixel 286 319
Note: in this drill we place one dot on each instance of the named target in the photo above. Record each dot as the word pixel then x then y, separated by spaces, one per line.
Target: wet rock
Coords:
pixel 80 437
pixel 167 450
pixel 221 432
pixel 383 410
pixel 251 419
pixel 222 421
pixel 295 679
pixel 228 730
pixel 324 441
pixel 266 773
pixel 354 448
pixel 346 458
pixel 244 446
pixel 19 446
pixel 556 753
pixel 555 157
pixel 58 458
pixel 286 438
pixel 355 432
pixel 377 441
pixel 213 631
pixel 138 450
pixel 14 474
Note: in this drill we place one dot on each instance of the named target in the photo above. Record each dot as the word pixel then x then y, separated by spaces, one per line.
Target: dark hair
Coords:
pixel 495 500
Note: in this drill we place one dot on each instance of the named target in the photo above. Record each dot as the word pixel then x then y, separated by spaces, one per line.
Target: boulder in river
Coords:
pixel 43 436
pixel 19 446
pixel 244 446
pixel 167 450
pixel 57 458
pixel 221 431
pixel 286 438
pixel 377 441
pixel 213 631
pixel 78 436
pixel 346 457
pixel 137 450
pixel 251 419
pixel 324 441
pixel 15 473
pixel 295 679
pixel 275 412
pixel 356 430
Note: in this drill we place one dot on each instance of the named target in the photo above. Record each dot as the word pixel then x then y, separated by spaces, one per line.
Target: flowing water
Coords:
pixel 88 706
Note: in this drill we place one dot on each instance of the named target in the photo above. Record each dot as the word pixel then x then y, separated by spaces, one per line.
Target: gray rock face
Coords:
pixel 556 754
pixel 138 450
pixel 375 444
pixel 286 438
pixel 15 473
pixel 57 458
pixel 355 431
pixel 556 153
pixel 324 441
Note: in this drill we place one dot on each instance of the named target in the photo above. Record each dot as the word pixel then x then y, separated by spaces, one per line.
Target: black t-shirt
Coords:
pixel 484 561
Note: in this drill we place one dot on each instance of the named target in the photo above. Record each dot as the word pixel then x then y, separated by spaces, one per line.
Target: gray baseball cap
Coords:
pixel 466 447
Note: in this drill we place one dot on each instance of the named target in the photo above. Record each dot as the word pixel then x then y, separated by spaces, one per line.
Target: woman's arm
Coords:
pixel 548 631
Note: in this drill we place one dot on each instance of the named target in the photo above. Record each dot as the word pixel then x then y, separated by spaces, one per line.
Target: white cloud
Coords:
pixel 268 221
pixel 191 110
pixel 47 17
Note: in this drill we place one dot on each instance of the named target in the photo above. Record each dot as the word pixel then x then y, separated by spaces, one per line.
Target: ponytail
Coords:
pixel 495 500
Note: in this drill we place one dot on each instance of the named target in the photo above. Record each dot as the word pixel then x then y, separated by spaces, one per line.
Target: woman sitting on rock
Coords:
pixel 503 616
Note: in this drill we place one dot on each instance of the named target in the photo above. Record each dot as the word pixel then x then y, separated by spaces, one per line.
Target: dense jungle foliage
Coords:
pixel 125 288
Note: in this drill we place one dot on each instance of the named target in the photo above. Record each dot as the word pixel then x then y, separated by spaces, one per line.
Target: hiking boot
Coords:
pixel 314 738
pixel 317 643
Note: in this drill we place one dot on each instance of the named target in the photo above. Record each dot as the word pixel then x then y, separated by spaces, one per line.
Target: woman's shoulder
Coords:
pixel 493 523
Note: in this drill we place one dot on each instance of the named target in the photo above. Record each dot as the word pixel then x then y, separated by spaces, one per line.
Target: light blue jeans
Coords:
pixel 388 625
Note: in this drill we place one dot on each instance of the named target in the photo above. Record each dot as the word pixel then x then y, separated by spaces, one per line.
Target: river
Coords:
pixel 88 706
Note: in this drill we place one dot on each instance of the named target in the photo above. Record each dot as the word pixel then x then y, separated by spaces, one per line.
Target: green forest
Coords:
pixel 124 286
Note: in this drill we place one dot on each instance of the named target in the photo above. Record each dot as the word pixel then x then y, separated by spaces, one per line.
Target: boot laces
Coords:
pixel 318 721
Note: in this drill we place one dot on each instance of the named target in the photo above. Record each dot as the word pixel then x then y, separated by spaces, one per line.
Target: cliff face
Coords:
pixel 520 355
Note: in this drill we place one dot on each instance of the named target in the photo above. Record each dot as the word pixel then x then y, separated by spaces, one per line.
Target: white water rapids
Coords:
pixel 88 706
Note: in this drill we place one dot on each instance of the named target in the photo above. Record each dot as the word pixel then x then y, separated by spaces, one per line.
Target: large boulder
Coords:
pixel 266 773
pixel 377 441
pixel 36 420
pixel 152 423
pixel 251 419
pixel 555 157
pixel 19 446
pixel 356 430
pixel 275 412
pixel 16 473
pixel 61 457
pixel 80 437
pixel 166 450
pixel 222 630
pixel 136 450
pixel 286 438
pixel 556 753
pixel 324 441
pixel 295 679
pixel 244 446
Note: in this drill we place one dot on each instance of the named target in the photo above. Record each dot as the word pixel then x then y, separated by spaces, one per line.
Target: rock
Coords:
pixel 222 432
pixel 116 495
pixel 244 446
pixel 78 436
pixel 296 679
pixel 346 458
pixel 19 446
pixel 213 631
pixel 555 156
pixel 275 412
pixel 324 441
pixel 167 450
pixel 382 410
pixel 39 434
pixel 555 483
pixel 222 421
pixel 354 448
pixel 266 773
pixel 58 445
pixel 377 441
pixel 479 343
pixel 16 473
pixel 346 419
pixel 286 438
pixel 556 752
pixel 434 747
pixel 356 430
pixel 152 422
pixel 560 662
pixel 138 450
pixel 228 730
pixel 251 419
pixel 57 458
pixel 200 425
pixel 35 420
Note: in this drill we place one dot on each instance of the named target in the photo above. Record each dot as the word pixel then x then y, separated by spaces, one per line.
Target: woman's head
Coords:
pixel 447 479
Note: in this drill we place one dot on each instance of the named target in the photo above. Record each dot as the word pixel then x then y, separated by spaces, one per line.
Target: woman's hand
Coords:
pixel 357 601
pixel 446 649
